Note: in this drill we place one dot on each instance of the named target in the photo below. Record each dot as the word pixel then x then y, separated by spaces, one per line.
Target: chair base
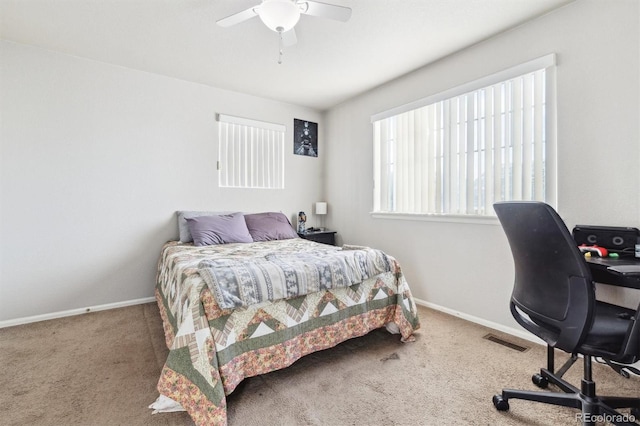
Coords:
pixel 594 408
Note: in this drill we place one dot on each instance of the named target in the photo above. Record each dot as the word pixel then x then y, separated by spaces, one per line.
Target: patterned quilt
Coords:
pixel 213 349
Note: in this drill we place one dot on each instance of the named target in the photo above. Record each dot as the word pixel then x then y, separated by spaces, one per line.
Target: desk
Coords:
pixel 623 271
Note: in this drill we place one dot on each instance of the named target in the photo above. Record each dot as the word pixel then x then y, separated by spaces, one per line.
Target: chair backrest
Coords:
pixel 553 295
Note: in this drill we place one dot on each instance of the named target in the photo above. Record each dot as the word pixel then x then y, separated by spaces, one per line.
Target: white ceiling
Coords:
pixel 331 62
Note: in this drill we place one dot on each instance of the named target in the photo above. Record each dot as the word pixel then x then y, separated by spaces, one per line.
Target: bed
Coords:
pixel 233 310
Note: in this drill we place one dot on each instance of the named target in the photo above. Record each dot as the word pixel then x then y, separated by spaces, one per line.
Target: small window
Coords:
pixel 458 152
pixel 251 153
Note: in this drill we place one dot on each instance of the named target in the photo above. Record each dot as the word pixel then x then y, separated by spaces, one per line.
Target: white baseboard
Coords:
pixel 71 312
pixel 494 325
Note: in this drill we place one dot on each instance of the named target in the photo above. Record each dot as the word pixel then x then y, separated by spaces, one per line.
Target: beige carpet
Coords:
pixel 101 369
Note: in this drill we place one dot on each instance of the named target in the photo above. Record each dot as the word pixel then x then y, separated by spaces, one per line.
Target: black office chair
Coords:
pixel 554 298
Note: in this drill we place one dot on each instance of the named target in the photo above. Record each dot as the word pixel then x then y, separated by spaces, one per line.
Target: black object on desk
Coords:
pixel 621 271
pixel 324 237
pixel 618 239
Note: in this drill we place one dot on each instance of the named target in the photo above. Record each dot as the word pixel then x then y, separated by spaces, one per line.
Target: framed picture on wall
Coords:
pixel 305 138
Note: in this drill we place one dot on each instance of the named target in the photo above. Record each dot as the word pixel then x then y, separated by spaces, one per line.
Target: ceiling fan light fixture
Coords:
pixel 279 15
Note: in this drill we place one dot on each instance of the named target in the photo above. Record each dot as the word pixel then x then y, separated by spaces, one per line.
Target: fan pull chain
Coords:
pixel 280 46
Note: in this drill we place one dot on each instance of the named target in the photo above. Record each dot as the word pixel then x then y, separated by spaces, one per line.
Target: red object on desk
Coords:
pixel 600 251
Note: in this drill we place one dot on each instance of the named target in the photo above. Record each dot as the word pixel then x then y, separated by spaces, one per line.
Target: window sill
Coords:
pixel 451 218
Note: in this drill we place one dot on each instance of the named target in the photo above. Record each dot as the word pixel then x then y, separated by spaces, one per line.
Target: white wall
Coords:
pixel 95 160
pixel 468 267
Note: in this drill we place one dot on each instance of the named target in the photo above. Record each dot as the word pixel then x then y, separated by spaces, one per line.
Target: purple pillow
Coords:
pixel 269 226
pixel 223 229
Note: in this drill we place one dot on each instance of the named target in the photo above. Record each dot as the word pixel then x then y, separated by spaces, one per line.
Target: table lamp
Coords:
pixel 321 210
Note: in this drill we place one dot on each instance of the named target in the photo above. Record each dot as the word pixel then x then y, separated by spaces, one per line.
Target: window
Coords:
pixel 458 152
pixel 251 153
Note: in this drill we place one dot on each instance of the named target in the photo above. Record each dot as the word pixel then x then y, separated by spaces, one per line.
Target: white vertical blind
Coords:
pixel 461 154
pixel 251 153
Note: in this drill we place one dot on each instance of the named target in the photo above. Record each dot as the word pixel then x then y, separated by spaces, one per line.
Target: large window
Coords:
pixel 251 153
pixel 458 152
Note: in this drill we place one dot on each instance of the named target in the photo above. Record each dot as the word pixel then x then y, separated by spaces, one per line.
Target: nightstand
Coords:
pixel 324 237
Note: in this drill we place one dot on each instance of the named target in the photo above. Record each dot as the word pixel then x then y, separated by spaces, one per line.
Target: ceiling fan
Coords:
pixel 281 16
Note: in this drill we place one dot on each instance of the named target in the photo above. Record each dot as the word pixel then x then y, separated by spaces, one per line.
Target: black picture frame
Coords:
pixel 305 138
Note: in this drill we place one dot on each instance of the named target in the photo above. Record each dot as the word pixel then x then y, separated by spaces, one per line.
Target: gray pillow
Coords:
pixel 210 230
pixel 269 226
pixel 183 228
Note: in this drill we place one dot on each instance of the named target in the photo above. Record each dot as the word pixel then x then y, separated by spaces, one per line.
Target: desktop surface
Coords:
pixel 621 271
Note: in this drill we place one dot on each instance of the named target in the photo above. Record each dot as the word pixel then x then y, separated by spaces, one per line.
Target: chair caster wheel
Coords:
pixel 540 381
pixel 500 403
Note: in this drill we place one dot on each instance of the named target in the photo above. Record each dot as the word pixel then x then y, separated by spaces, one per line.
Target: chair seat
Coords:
pixel 610 327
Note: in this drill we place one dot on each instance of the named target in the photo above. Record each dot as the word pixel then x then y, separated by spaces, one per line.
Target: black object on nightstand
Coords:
pixel 324 237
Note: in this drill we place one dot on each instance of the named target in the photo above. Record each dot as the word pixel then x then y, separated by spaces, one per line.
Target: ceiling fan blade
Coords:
pixel 289 38
pixel 324 10
pixel 236 18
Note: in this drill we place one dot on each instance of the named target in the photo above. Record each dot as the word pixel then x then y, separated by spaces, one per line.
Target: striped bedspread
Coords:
pixel 235 283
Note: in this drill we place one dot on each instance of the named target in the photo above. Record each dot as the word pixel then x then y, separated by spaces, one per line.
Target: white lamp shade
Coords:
pixel 279 15
pixel 321 208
